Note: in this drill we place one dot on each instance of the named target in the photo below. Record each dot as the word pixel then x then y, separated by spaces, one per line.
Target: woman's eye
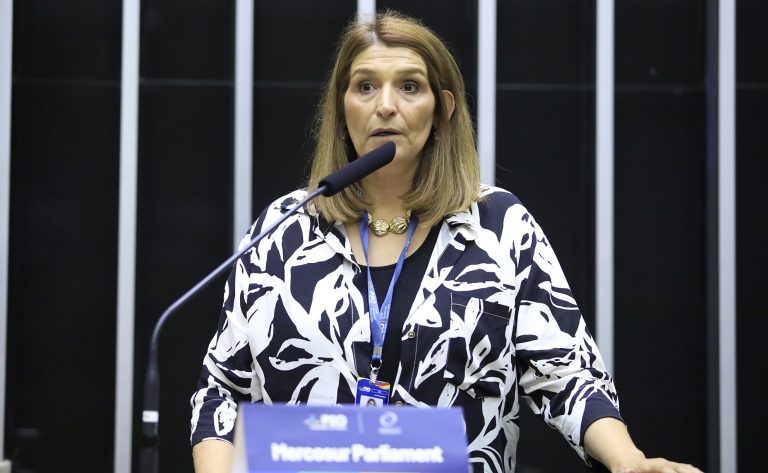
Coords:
pixel 365 87
pixel 410 87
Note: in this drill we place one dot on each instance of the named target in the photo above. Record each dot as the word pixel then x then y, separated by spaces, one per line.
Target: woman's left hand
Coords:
pixel 608 441
pixel 655 465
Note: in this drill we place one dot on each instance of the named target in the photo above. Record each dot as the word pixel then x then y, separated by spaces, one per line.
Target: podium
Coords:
pixel 301 438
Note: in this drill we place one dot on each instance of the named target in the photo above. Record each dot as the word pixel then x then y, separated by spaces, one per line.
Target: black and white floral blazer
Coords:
pixel 493 320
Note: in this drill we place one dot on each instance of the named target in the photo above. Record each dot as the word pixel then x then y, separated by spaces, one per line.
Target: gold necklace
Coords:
pixel 381 227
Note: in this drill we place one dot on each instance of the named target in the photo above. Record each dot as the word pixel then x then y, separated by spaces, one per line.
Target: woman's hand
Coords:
pixel 608 441
pixel 654 465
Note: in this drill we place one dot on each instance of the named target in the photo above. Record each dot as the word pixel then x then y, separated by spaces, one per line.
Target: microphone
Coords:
pixel 358 169
pixel 328 186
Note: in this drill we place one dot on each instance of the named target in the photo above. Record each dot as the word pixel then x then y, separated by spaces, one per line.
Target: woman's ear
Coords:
pixel 449 102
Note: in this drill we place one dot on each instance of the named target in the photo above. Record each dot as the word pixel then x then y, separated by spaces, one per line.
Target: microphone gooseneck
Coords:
pixel 328 186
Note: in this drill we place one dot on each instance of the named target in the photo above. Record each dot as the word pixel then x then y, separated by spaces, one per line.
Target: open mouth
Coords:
pixel 385 133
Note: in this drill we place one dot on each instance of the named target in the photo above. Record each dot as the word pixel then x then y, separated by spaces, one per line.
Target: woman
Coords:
pixel 456 268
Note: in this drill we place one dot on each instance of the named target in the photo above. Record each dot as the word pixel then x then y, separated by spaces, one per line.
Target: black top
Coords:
pixel 405 291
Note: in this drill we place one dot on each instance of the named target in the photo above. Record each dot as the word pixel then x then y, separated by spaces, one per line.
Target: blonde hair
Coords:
pixel 448 176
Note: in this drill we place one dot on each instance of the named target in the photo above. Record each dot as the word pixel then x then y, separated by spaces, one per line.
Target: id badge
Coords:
pixel 372 393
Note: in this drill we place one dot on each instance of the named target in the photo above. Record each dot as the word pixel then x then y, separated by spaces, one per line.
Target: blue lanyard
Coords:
pixel 380 315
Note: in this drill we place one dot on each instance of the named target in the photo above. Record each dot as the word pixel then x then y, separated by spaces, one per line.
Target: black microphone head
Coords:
pixel 358 169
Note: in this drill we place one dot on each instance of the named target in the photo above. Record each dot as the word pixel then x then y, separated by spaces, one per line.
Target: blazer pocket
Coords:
pixel 480 349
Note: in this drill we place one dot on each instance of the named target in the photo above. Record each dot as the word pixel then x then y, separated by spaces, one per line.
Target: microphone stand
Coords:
pixel 330 185
pixel 150 414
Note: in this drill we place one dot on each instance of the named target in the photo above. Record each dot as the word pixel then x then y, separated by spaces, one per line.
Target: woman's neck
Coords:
pixel 385 191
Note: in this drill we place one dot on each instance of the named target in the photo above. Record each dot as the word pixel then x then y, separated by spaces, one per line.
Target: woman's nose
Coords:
pixel 386 106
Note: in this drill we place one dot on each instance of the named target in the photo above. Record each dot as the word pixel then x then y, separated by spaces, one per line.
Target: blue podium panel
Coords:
pixel 283 438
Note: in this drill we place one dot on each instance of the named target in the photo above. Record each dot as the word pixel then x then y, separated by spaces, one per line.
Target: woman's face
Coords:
pixel 389 99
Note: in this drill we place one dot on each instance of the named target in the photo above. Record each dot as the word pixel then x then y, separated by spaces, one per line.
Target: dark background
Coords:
pixel 64 198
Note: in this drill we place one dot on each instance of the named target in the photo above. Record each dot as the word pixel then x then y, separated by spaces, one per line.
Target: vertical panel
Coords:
pixel 185 199
pixel 660 225
pixel 365 9
pixel 727 224
pixel 63 234
pixel 243 119
pixel 126 264
pixel 751 216
pixel 6 51
pixel 486 90
pixel 604 182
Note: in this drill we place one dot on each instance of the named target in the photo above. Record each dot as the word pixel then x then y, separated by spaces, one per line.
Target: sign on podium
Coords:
pixel 287 438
